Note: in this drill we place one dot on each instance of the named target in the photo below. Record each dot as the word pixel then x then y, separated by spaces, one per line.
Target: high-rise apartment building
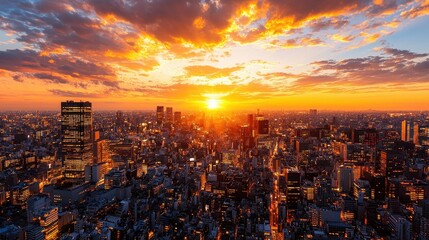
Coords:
pixel 392 163
pixel 345 179
pixel 48 220
pixel 263 127
pixel 421 134
pixel 293 187
pixel 406 131
pixel 169 115
pixel 119 120
pixel 251 123
pixel 76 131
pixel 159 115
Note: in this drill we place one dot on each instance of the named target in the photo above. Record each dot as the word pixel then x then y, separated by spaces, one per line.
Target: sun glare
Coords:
pixel 213 103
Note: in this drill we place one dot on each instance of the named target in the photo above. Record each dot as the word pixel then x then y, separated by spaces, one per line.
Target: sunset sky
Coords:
pixel 246 54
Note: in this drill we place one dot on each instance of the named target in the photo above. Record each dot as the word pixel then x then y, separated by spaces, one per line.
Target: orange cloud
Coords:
pixel 109 44
pixel 210 72
pixel 299 42
pixel 371 37
pixel 378 2
pixel 417 11
pixel 341 38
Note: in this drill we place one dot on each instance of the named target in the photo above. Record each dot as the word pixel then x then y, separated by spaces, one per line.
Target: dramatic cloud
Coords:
pixel 128 48
pixel 42 67
pixel 396 70
pixel 174 21
pixel 403 54
pixel 326 23
pixel 116 26
pixel 399 67
pixel 51 78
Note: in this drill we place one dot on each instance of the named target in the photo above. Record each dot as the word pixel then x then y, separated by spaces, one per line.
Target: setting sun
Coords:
pixel 213 103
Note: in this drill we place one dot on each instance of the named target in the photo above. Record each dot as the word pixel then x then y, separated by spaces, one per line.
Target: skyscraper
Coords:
pixel 392 163
pixel 119 120
pixel 345 179
pixel 406 131
pixel 159 115
pixel 251 123
pixel 76 139
pixel 421 134
pixel 169 115
pixel 263 127
pixel 246 137
pixel 293 187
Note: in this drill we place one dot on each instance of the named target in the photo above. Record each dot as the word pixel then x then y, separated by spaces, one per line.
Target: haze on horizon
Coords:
pixel 274 55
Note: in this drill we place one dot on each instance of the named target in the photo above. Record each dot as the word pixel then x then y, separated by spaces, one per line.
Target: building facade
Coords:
pixel 76 140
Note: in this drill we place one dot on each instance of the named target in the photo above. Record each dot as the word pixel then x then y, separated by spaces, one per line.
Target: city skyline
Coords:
pixel 228 55
pixel 275 175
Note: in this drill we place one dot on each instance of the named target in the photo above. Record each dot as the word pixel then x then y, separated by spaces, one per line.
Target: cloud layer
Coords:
pixel 162 48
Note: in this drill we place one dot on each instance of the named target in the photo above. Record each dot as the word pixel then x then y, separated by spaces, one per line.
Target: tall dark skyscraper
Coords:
pixel 169 115
pixel 263 127
pixel 119 120
pixel 246 137
pixel 293 187
pixel 159 115
pixel 345 179
pixel 392 163
pixel 251 123
pixel 76 139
